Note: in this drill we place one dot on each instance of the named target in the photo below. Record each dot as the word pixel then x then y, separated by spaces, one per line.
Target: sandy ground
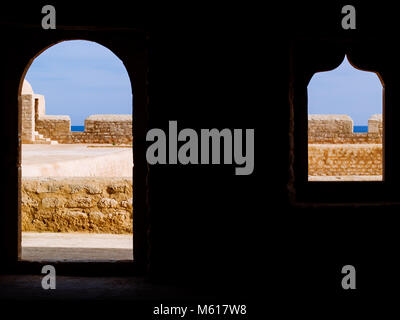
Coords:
pixel 71 160
pixel 76 246
pixel 344 178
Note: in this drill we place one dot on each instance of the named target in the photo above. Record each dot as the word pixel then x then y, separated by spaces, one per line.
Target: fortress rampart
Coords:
pixel 37 127
pixel 336 129
pixel 335 150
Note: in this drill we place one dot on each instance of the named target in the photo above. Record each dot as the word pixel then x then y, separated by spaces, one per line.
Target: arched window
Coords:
pixel 345 125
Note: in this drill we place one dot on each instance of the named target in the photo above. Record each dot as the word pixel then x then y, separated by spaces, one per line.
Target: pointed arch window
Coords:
pixel 345 125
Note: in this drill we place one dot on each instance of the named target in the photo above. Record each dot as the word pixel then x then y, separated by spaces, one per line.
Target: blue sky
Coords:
pixel 346 90
pixel 79 78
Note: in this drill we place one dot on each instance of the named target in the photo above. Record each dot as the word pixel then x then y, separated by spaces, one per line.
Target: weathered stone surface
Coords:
pixel 375 124
pixel 334 129
pixel 107 203
pixel 116 188
pixel 28 118
pixel 109 118
pixel 335 150
pixel 52 202
pixel 126 203
pixel 77 205
pixel 330 123
pixel 29 202
pixel 344 159
pixel 93 189
pixel 80 202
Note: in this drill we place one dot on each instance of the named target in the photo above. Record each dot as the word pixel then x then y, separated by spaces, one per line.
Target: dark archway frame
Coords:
pixel 130 46
pixel 307 57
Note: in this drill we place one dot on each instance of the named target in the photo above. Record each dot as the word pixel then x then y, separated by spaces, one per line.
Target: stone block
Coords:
pixel 107 203
pixel 116 188
pixel 52 202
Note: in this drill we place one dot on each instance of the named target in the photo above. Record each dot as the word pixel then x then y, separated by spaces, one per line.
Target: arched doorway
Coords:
pixel 76 185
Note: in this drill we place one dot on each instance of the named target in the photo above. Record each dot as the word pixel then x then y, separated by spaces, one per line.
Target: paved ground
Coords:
pixel 76 246
pixel 344 178
pixel 76 160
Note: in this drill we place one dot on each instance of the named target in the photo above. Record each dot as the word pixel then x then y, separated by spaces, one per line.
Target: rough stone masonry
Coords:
pixel 335 150
pixel 95 204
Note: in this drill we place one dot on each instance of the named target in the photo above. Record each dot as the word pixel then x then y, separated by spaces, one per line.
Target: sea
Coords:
pixel 77 128
pixel 357 129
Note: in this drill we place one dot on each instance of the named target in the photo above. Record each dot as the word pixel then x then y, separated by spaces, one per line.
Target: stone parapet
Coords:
pixel 337 129
pixel 52 125
pixel 95 204
pixel 375 124
pixel 100 128
pixel 111 129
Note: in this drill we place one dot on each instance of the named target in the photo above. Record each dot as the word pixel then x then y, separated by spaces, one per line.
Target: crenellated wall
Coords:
pixel 37 127
pixel 339 129
pixel 111 129
pixel 335 150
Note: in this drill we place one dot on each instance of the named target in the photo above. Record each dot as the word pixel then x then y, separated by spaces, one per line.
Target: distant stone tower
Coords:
pixel 27 106
pixel 32 106
pixel 27 88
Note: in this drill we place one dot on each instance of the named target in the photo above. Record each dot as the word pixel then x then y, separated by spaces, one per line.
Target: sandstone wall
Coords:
pixel 344 159
pixel 99 205
pixel 335 150
pixel 334 129
pixel 329 124
pixel 51 125
pixel 26 108
pixel 113 124
pixel 375 124
pixel 28 118
pixel 110 129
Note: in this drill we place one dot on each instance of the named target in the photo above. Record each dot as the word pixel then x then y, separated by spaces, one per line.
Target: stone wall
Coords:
pixel 52 126
pixel 103 128
pixel 28 118
pixel 26 108
pixel 335 150
pixel 95 204
pixel 344 159
pixel 111 124
pixel 110 129
pixel 336 129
